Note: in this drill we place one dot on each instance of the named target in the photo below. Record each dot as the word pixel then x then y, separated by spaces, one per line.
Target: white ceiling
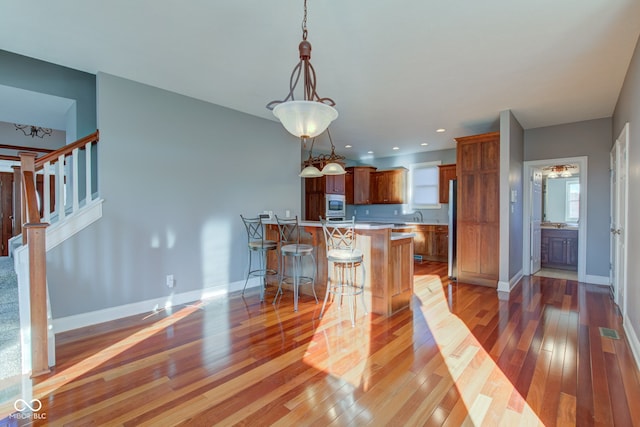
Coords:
pixel 398 70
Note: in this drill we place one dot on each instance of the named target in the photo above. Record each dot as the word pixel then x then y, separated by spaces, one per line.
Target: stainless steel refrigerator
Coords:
pixel 452 266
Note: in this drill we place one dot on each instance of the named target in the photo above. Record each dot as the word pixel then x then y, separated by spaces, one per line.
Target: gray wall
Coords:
pixel 590 138
pixel 43 77
pixel 511 148
pixel 388 211
pixel 628 110
pixel 175 174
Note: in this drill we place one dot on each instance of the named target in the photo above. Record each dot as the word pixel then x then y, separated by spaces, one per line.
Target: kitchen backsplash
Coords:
pixel 396 213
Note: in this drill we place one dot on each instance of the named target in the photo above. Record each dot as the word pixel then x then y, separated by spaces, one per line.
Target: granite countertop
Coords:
pixel 558 226
pixel 359 226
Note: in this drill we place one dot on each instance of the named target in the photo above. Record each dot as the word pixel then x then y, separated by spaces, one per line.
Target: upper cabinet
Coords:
pixel 328 184
pixel 334 184
pixel 447 173
pixel 358 185
pixel 389 186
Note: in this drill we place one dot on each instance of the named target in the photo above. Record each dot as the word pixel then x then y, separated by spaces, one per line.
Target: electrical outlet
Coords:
pixel 395 212
pixel 366 212
pixel 171 282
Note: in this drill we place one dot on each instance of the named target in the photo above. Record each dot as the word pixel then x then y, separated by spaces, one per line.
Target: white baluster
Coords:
pixel 46 189
pixel 87 151
pixel 74 180
pixel 60 189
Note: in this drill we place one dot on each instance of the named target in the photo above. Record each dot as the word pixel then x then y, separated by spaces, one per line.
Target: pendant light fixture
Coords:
pixel 310 171
pixel 33 131
pixel 333 168
pixel 310 117
pixel 330 162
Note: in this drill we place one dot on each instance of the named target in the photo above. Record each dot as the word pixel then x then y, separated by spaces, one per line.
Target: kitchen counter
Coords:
pixel 388 262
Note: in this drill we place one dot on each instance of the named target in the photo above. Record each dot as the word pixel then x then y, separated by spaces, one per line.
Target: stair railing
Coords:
pixel 37 210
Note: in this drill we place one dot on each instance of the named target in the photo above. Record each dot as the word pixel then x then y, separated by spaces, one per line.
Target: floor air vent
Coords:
pixel 609 333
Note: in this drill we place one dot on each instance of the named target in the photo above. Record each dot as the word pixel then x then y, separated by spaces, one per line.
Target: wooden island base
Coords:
pixel 388 260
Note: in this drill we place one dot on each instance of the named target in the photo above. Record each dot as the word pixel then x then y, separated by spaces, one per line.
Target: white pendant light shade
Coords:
pixel 333 169
pixel 305 119
pixel 310 172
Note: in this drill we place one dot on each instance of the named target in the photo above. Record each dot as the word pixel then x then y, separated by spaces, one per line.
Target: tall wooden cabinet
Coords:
pixel 315 190
pixel 478 244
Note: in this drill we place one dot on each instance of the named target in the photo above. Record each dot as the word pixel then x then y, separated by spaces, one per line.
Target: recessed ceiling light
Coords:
pixel 441 130
pixel 396 148
pixel 347 146
pixel 369 152
pixel 424 144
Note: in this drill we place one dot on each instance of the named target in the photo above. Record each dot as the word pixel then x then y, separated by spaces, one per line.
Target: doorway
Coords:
pixel 6 211
pixel 533 221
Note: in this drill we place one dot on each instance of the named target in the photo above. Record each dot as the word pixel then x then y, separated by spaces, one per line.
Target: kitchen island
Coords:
pixel 388 260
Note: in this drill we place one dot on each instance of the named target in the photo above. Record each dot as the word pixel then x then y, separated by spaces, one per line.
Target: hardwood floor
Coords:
pixel 461 356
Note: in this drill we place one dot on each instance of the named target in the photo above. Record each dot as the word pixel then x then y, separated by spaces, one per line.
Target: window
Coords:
pixel 573 201
pixel 423 185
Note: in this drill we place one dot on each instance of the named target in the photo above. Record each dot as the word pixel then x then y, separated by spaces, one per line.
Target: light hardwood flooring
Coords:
pixel 555 273
pixel 461 356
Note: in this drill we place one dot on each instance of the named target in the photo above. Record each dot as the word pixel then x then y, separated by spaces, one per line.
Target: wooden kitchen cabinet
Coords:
pixel 446 173
pixel 334 184
pixel 431 242
pixel 559 249
pixel 478 208
pixel 315 190
pixel 358 185
pixel 401 274
pixel 389 186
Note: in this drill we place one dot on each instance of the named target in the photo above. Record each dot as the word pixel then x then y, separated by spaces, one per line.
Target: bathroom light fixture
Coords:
pixel 33 131
pixel 559 171
pixel 310 117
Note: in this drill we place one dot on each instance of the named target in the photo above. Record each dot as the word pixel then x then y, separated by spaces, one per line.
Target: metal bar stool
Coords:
pixel 290 247
pixel 259 245
pixel 340 239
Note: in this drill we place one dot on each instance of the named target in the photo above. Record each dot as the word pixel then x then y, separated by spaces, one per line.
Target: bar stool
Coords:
pixel 290 247
pixel 259 245
pixel 340 240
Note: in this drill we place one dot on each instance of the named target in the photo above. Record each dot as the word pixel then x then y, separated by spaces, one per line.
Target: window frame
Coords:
pixel 412 170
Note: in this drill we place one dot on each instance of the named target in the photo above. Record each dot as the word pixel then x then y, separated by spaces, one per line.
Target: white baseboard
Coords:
pixel 632 339
pixel 597 280
pixel 82 320
pixel 508 286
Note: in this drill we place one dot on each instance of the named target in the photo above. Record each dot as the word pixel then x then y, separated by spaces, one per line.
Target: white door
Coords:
pixel 536 219
pixel 619 171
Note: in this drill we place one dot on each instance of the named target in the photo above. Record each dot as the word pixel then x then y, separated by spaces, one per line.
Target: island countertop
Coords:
pixel 388 262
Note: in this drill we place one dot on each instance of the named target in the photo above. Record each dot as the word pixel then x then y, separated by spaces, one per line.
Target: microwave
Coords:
pixel 336 206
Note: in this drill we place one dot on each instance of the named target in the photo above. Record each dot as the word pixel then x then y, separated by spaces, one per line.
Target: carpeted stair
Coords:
pixel 10 353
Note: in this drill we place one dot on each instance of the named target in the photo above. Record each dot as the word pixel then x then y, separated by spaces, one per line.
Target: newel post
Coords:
pixel 36 236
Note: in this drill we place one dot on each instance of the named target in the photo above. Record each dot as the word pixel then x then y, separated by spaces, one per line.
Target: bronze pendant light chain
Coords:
pixel 304 66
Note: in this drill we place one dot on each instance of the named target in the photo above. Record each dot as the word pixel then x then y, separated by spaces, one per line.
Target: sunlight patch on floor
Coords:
pixel 59 379
pixel 483 387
